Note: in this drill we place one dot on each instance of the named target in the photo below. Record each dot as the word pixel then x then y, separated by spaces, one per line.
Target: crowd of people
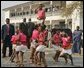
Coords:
pixel 36 38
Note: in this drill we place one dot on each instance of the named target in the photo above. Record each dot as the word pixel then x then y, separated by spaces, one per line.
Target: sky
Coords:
pixel 5 4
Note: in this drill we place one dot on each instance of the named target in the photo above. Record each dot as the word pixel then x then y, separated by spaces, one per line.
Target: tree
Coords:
pixel 68 10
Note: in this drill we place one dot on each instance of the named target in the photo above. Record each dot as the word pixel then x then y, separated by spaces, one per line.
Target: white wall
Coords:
pixel 7 14
pixel 77 19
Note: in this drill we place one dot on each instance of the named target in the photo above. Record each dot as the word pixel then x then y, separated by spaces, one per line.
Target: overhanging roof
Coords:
pixel 16 6
pixel 23 4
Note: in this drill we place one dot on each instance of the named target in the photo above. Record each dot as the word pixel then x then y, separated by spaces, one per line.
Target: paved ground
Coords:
pixel 78 60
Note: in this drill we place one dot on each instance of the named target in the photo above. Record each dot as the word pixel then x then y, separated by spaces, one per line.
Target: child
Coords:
pixel 66 48
pixel 34 38
pixel 41 47
pixel 14 43
pixel 21 48
pixel 56 45
pixel 40 14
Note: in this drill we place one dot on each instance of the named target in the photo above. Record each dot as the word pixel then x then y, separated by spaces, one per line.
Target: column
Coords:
pixel 22 11
pixel 15 18
pixel 49 34
pixel 51 3
pixel 66 22
pixel 30 11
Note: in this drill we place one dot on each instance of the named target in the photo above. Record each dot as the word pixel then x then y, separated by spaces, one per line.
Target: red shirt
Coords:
pixel 41 38
pixel 14 39
pixel 66 42
pixel 40 14
pixel 57 39
pixel 45 32
pixel 23 38
pixel 35 34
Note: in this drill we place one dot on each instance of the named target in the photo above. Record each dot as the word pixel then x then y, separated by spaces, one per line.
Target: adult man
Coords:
pixel 7 32
pixel 23 26
pixel 31 27
pixel 77 41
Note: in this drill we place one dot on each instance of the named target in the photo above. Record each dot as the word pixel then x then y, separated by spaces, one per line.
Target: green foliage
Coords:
pixel 68 10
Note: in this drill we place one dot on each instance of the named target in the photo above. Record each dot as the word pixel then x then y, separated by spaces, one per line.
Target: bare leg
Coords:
pixel 35 57
pixel 70 57
pixel 56 55
pixel 43 59
pixel 12 56
pixel 65 57
pixel 32 54
pixel 39 58
pixel 17 57
pixel 21 58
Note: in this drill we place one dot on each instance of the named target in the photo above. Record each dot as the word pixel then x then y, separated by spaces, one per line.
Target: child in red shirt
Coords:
pixel 21 47
pixel 14 40
pixel 66 48
pixel 34 39
pixel 41 47
pixel 40 14
pixel 66 44
pixel 57 38
pixel 56 44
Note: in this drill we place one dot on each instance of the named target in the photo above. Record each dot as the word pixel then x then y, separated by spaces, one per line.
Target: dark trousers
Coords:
pixel 28 42
pixel 7 43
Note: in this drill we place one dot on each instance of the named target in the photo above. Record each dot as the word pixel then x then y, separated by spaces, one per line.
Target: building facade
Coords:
pixel 53 14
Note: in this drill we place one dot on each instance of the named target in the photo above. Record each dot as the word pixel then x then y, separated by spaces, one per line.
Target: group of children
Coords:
pixel 38 45
pixel 19 47
pixel 19 41
pixel 61 42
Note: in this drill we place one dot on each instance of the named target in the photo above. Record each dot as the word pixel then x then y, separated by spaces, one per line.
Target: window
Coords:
pixel 35 11
pixel 27 12
pixel 31 11
pixel 23 13
pixel 18 14
pixel 46 9
pixel 13 14
pixel 62 24
pixel 56 26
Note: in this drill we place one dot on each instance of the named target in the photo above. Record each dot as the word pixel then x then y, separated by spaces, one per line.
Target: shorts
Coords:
pixel 56 47
pixel 14 46
pixel 33 44
pixel 22 48
pixel 41 48
pixel 68 51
